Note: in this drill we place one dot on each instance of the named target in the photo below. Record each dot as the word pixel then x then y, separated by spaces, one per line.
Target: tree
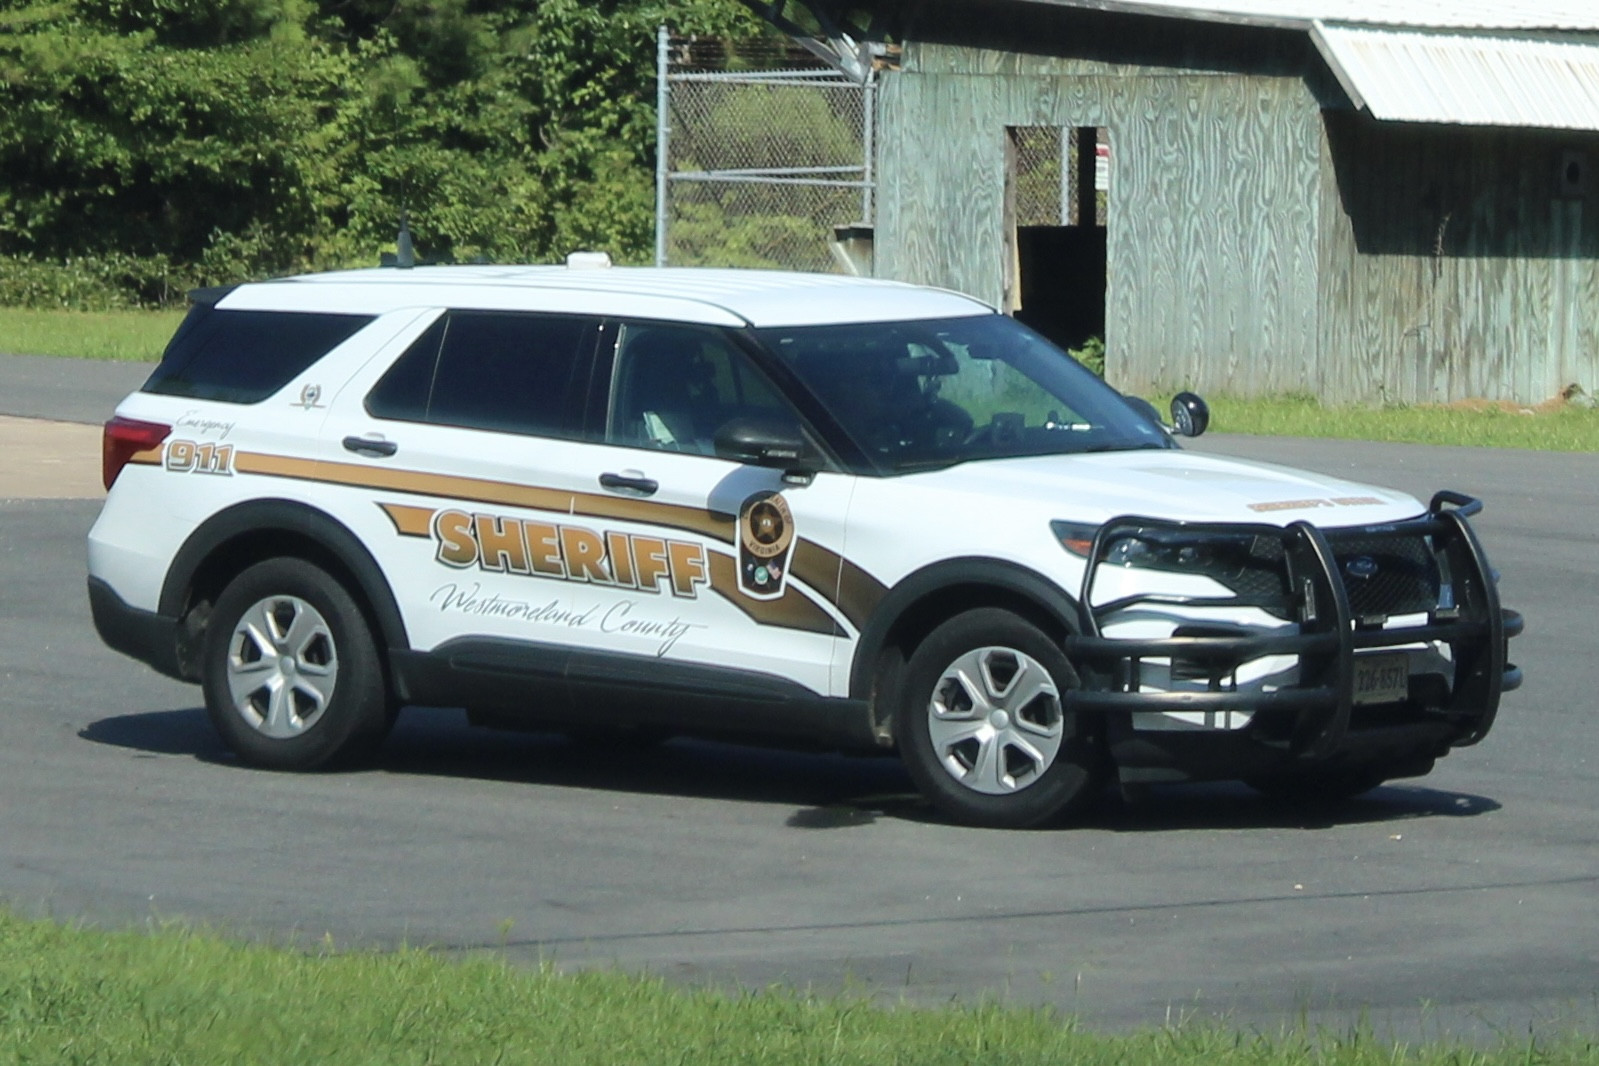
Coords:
pixel 232 138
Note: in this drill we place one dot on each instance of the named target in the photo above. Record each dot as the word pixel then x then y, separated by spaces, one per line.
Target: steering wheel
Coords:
pixel 944 421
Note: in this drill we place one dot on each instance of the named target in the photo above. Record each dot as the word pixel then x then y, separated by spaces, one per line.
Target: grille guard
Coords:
pixel 1475 627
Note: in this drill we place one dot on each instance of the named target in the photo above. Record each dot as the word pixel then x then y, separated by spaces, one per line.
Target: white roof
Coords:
pixel 1408 76
pixel 712 297
pixel 1463 62
pixel 1571 15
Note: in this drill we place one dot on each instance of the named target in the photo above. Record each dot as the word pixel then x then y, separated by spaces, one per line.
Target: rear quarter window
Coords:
pixel 246 356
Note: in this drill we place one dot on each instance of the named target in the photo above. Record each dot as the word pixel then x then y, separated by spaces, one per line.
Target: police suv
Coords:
pixel 794 508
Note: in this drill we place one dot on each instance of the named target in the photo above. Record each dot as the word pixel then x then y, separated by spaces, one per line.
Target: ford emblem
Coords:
pixel 1361 567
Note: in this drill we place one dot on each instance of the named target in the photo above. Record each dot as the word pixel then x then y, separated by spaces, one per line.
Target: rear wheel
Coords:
pixel 982 723
pixel 291 673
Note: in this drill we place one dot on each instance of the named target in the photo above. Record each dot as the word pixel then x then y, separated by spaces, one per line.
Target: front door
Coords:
pixel 751 564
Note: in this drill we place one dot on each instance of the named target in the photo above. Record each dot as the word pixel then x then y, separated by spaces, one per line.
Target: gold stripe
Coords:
pixel 410 521
pixel 855 592
pixel 483 490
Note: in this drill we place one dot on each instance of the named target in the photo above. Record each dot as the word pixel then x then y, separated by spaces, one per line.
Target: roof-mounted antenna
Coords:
pixel 406 259
pixel 404 255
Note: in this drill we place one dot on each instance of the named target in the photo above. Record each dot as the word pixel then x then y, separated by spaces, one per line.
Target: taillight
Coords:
pixel 123 439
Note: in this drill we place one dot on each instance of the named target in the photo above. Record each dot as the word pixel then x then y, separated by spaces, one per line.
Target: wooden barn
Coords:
pixel 1367 200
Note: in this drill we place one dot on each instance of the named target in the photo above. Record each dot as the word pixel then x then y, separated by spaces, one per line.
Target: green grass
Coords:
pixel 122 335
pixel 1559 427
pixel 174 996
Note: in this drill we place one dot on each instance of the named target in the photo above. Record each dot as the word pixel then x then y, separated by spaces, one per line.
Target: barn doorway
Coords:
pixel 1057 182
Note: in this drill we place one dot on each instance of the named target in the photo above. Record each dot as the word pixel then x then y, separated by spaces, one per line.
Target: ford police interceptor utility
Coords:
pixel 807 509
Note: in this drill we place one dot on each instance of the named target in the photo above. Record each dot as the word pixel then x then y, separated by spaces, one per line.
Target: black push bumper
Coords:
pixel 1316 720
pixel 148 637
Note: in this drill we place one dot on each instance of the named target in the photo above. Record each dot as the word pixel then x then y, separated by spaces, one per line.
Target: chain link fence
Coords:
pixel 1046 162
pixel 767 158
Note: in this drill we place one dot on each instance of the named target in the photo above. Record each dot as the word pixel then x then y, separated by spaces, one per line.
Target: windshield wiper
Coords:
pixel 1125 446
pixel 916 465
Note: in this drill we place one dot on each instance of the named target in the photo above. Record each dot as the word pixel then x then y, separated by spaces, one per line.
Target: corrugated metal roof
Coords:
pixel 1562 15
pixel 1463 62
pixel 1413 76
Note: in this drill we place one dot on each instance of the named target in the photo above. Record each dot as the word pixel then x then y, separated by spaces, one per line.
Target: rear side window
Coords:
pixel 502 371
pixel 246 356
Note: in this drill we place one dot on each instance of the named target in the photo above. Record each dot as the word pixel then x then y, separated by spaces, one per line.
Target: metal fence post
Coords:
pixel 868 146
pixel 663 134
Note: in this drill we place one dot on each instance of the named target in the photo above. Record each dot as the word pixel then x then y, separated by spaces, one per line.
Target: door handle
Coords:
pixel 644 486
pixel 372 446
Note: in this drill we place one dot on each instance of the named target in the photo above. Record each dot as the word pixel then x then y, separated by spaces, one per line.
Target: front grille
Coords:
pixel 1386 575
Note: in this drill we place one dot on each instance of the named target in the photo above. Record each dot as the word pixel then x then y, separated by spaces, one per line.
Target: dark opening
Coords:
pixel 1060 226
pixel 1063 282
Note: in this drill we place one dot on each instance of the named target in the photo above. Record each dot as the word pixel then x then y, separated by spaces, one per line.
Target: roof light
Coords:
pixel 588 261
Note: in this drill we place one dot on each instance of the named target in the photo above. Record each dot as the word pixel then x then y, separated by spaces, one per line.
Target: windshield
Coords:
pixel 936 392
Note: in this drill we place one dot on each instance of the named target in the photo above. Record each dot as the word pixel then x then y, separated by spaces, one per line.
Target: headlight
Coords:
pixel 1251 566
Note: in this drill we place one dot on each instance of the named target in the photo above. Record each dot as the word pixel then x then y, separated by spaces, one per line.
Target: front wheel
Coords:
pixel 982 723
pixel 291 673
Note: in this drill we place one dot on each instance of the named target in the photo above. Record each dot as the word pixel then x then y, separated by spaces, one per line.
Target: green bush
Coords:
pixel 110 282
pixel 1091 354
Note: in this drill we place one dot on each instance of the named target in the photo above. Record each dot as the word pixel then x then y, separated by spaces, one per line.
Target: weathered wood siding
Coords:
pixel 1263 236
pixel 1212 242
pixel 1453 267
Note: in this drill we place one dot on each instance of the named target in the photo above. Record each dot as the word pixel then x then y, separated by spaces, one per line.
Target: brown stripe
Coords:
pixel 793 611
pixel 817 567
pixel 859 593
pixel 148 457
pixel 410 521
pixel 852 590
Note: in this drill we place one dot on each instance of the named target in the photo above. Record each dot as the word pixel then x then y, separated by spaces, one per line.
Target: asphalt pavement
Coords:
pixel 66 390
pixel 1466 902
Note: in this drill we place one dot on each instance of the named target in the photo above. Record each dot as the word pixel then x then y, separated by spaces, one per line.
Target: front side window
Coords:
pixel 933 393
pixel 675 386
pixel 500 371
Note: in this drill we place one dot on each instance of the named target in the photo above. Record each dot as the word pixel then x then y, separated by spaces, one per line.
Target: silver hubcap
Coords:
pixel 282 666
pixel 995 720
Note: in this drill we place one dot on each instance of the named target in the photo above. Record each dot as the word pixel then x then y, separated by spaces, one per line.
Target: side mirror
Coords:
pixel 1190 414
pixel 768 443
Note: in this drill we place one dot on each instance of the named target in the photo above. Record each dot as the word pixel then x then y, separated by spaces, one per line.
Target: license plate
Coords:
pixel 1382 678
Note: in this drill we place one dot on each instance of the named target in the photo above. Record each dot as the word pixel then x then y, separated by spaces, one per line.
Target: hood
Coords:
pixel 1178 485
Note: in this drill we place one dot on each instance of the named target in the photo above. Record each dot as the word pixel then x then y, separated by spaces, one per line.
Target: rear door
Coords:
pixel 459 462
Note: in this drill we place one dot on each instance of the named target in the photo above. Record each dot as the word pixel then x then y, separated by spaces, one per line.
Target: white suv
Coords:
pixel 806 509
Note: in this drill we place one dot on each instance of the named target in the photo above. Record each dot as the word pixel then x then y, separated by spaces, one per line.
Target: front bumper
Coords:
pixel 1315 718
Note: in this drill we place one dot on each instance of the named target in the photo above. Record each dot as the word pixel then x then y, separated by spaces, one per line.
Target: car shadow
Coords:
pixel 828 790
pixel 1233 805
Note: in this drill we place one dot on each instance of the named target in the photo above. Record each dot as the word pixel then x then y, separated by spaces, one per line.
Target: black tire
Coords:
pixel 317 696
pixel 1319 787
pixel 1030 761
